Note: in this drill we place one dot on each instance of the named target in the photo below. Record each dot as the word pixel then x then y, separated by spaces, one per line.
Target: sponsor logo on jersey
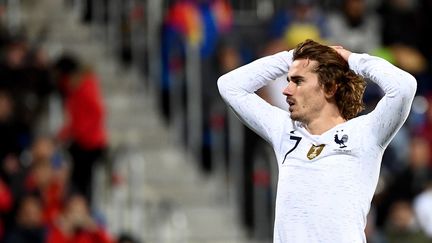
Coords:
pixel 314 151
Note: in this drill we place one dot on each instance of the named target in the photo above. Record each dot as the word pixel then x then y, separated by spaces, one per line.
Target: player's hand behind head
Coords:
pixel 342 51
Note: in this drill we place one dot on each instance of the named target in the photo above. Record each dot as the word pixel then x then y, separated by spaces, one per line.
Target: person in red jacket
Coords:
pixel 84 126
pixel 75 225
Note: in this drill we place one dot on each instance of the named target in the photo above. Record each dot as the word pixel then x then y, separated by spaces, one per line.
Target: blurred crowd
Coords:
pixel 396 30
pixel 45 176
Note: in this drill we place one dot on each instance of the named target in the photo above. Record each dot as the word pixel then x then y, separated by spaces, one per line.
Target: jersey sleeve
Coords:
pixel 399 89
pixel 238 88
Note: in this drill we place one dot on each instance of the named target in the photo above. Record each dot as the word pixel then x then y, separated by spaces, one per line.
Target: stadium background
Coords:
pixel 176 165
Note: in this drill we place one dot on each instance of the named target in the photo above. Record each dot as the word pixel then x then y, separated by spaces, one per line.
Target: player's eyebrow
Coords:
pixel 295 78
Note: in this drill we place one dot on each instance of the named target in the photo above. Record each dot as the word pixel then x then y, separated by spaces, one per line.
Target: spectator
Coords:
pixel 411 181
pixel 42 150
pixel 48 177
pixel 13 79
pixel 300 21
pixel 39 75
pixel 425 128
pixel 84 127
pixel 9 141
pixel 29 85
pixel 401 226
pixel 423 210
pixel 38 182
pixel 29 227
pixel 354 27
pixel 75 225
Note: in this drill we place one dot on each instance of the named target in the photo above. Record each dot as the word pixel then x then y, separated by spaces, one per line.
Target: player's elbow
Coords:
pixel 411 85
pixel 223 85
pixel 404 87
pixel 221 82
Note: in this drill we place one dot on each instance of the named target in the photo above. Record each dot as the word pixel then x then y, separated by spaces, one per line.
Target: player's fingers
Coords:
pixel 337 47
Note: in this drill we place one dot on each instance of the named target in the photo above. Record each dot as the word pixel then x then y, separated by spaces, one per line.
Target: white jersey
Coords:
pixel 326 182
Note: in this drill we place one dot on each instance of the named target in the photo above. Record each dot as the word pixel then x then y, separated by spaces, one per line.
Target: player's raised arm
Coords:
pixel 238 88
pixel 399 88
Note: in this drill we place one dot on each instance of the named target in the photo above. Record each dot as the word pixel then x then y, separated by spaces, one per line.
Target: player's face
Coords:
pixel 305 96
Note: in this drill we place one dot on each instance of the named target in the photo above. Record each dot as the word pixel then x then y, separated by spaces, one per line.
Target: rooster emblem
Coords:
pixel 342 140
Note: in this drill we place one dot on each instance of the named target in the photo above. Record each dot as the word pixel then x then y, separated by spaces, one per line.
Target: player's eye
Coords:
pixel 298 81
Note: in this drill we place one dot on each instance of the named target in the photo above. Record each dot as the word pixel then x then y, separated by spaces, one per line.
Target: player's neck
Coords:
pixel 324 123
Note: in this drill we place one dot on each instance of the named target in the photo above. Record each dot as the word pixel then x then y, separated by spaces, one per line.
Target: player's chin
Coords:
pixel 294 116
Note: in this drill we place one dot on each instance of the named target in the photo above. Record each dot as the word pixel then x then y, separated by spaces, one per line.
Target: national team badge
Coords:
pixel 314 151
pixel 342 140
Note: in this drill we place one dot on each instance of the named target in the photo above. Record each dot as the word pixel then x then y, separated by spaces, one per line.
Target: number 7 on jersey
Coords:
pixel 295 138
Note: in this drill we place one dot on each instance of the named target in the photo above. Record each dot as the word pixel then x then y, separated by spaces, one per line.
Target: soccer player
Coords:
pixel 328 157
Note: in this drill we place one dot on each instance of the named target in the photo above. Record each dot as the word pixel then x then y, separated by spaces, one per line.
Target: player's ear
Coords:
pixel 331 91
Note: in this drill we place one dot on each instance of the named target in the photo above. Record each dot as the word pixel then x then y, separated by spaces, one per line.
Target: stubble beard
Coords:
pixel 303 114
pixel 297 117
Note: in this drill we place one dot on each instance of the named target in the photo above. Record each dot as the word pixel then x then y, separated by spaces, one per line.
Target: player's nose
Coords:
pixel 289 89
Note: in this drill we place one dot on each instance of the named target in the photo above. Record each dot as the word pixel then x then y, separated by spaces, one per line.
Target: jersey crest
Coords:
pixel 314 151
pixel 341 140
